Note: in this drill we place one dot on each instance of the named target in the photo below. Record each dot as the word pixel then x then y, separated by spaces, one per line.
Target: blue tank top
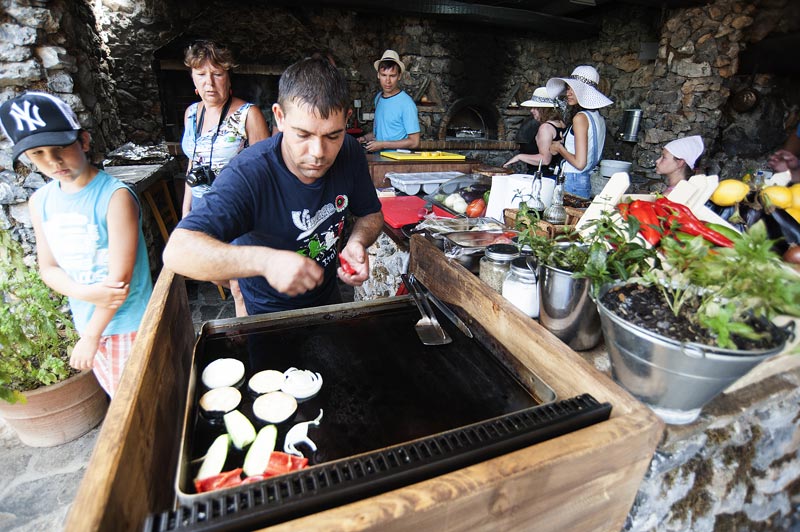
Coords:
pixel 76 229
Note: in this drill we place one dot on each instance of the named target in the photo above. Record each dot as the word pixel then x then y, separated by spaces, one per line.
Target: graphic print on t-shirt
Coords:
pixel 320 245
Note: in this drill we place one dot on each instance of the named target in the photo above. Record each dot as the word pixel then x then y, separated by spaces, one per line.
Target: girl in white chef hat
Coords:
pixel 678 159
pixel 583 143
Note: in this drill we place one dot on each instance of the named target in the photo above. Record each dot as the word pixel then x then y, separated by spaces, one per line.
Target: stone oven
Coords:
pixel 471 119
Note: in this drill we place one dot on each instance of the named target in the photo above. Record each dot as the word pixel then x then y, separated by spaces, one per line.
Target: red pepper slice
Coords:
pixel 226 479
pixel 348 269
pixel 282 463
pixel 688 223
pixel 650 226
pixel 623 210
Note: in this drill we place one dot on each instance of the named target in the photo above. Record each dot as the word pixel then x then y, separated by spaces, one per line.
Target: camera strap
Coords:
pixel 199 129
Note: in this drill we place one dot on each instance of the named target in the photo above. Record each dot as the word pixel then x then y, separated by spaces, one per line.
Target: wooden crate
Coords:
pixel 583 480
pixel 545 228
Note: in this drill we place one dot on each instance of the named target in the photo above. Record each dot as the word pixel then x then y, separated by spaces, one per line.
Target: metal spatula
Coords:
pixel 428 329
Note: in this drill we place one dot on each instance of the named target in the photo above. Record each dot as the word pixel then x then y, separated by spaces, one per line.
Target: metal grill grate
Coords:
pixel 349 479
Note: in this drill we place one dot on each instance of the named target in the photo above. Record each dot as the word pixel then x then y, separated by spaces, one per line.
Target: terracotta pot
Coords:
pixel 57 413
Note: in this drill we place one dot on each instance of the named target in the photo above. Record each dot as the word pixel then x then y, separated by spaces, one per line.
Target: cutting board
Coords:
pixel 423 156
pixel 402 210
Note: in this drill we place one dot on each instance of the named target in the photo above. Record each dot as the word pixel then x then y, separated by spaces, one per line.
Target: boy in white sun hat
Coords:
pixel 678 159
pixel 88 234
pixel 586 135
pixel 396 122
pixel 547 112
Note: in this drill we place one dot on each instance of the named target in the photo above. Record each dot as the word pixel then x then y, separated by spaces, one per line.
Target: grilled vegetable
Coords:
pixel 255 463
pixel 274 407
pixel 282 463
pixel 215 458
pixel 240 429
pixel 223 372
pixel 227 479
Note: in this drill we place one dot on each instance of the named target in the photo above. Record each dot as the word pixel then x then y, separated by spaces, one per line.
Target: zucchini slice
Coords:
pixel 241 431
pixel 255 463
pixel 215 458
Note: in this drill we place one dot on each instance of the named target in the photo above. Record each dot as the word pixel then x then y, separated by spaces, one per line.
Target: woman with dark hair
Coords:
pixel 546 111
pixel 583 143
pixel 220 125
pixel 216 128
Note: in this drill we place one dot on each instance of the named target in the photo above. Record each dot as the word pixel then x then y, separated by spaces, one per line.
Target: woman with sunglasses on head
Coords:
pixel 216 128
pixel 220 125
pixel 547 113
pixel 583 143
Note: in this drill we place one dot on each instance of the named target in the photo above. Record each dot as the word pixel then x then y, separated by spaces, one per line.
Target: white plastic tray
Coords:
pixel 411 183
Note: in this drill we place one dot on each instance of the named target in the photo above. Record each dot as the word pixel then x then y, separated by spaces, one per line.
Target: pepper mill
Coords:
pixel 555 213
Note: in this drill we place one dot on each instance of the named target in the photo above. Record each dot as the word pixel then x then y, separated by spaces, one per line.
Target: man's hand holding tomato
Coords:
pixel 353 264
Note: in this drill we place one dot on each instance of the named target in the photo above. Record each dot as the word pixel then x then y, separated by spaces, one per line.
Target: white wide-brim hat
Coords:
pixel 540 98
pixel 391 55
pixel 583 80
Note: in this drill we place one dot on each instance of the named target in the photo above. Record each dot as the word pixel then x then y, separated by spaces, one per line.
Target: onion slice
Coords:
pixel 223 372
pixel 301 383
pixel 274 407
pixel 269 380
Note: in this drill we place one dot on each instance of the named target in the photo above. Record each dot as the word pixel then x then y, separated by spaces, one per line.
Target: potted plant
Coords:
pixel 36 335
pixel 572 265
pixel 696 316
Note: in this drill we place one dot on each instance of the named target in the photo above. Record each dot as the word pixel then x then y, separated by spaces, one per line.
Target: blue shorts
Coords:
pixel 578 184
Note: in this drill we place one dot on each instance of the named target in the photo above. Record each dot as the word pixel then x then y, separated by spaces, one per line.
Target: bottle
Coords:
pixel 555 213
pixel 521 286
pixel 535 204
pixel 495 264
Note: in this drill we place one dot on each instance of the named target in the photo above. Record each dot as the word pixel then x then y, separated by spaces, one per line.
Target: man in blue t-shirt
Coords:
pixel 396 122
pixel 283 201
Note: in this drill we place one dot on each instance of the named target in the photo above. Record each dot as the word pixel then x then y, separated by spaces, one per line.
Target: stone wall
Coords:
pixel 52 46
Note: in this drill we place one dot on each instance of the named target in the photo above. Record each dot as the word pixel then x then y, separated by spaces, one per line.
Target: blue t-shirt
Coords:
pixel 76 229
pixel 256 200
pixel 395 117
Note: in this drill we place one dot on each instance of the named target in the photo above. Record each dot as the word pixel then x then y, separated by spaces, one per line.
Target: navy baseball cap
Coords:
pixel 37 119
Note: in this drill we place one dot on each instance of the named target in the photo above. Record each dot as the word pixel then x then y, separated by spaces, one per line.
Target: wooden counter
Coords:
pixel 379 166
pixel 583 480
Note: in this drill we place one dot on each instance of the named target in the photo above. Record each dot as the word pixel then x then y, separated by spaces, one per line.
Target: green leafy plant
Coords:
pixel 36 332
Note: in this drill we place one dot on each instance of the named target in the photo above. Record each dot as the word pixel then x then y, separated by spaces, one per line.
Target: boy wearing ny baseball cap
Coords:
pixel 88 234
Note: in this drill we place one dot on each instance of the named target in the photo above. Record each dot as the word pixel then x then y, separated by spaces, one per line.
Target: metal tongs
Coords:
pixel 428 328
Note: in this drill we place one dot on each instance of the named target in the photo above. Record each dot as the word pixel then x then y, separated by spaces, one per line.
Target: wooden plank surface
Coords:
pixel 133 465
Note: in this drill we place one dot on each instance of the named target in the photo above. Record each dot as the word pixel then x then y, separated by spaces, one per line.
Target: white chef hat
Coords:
pixel 688 148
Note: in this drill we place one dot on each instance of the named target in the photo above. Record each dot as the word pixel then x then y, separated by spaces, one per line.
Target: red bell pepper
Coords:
pixel 688 223
pixel 346 266
pixel 226 479
pixel 650 226
pixel 282 463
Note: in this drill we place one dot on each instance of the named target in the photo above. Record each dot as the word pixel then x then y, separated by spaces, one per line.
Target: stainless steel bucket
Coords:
pixel 566 310
pixel 674 379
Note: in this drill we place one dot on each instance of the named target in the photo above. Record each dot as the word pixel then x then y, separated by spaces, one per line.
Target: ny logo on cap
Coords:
pixel 27 114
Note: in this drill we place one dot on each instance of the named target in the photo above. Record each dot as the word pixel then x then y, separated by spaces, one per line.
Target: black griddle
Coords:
pixel 383 391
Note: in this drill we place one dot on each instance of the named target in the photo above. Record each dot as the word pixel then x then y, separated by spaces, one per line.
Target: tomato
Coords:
pixel 226 479
pixel 476 208
pixel 348 269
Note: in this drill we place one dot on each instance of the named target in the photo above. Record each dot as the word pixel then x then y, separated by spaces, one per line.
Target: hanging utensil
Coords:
pixel 428 329
pixel 447 311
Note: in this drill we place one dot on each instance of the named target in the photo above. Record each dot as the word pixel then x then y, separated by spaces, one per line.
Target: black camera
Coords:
pixel 200 175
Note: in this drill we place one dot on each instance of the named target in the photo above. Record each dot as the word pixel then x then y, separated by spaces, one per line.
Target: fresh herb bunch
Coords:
pixel 733 285
pixel 36 331
pixel 550 251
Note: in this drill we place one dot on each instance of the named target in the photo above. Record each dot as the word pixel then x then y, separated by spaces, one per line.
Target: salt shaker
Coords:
pixel 521 286
pixel 495 263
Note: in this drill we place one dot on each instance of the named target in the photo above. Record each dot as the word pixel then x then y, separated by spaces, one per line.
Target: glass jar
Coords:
pixel 521 286
pixel 495 263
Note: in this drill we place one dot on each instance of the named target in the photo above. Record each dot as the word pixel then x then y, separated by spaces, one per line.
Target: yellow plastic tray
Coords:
pixel 423 156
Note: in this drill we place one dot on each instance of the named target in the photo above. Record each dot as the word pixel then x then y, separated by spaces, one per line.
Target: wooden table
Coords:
pixel 379 166
pixel 582 480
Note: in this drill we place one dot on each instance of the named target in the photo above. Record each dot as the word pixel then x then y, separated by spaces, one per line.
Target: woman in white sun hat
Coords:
pixel 583 143
pixel 678 159
pixel 547 112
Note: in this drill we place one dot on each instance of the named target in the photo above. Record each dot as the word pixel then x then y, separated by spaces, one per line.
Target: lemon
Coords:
pixel 795 195
pixel 781 197
pixel 794 212
pixel 729 192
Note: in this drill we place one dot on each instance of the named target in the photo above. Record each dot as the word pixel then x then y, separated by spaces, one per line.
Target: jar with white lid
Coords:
pixel 495 263
pixel 521 286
